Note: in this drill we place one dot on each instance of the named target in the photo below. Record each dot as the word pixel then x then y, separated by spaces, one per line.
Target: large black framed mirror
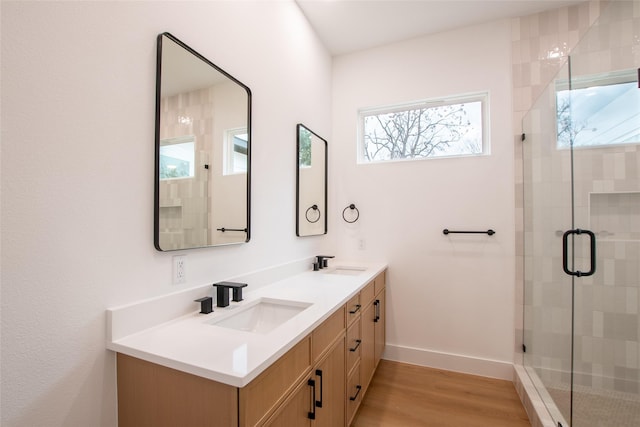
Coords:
pixel 311 183
pixel 202 151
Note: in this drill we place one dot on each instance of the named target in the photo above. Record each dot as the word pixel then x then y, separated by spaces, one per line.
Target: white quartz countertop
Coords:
pixel 192 344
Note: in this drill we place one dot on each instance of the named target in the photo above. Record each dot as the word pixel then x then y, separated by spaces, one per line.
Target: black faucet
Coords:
pixel 222 292
pixel 321 262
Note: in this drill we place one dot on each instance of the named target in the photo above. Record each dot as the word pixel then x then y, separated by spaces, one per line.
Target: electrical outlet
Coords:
pixel 179 269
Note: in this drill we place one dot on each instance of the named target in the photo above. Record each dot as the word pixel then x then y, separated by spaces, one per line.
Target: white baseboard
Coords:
pixel 450 362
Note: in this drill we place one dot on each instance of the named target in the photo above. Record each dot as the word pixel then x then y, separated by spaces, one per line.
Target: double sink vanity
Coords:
pixel 295 347
pixel 295 352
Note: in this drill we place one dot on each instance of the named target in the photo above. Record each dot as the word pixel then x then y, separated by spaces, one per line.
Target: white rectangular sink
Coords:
pixel 346 270
pixel 261 316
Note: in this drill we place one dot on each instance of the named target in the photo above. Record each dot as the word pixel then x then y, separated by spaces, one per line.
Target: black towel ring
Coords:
pixel 315 208
pixel 352 207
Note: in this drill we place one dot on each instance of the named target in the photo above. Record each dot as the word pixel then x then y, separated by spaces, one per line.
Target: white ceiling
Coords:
pixel 350 25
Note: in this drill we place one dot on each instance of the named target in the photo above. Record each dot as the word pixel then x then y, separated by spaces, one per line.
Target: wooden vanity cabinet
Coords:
pixel 325 374
pixel 370 327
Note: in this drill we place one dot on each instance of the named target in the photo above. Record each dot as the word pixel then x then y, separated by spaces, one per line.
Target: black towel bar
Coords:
pixel 490 232
pixel 231 229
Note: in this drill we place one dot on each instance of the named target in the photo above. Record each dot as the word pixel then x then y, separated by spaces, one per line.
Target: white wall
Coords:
pixel 78 81
pixel 451 295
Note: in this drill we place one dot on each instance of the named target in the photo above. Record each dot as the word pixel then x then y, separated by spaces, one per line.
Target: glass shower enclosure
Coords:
pixel 581 165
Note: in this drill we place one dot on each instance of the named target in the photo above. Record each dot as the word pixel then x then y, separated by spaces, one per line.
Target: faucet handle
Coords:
pixel 206 305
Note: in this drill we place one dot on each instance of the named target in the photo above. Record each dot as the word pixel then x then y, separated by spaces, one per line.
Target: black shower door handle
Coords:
pixel 565 251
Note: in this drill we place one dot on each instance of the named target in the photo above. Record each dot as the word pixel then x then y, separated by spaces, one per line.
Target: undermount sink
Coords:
pixel 346 270
pixel 261 316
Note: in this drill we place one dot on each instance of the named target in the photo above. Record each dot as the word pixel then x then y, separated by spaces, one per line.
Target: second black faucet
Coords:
pixel 321 262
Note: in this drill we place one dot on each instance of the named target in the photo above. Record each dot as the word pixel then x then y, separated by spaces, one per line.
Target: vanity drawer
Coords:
pixel 367 293
pixel 353 309
pixel 326 333
pixel 354 394
pixel 380 282
pixel 354 339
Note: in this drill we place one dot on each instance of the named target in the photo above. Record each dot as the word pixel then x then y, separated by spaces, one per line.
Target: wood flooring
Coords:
pixel 407 395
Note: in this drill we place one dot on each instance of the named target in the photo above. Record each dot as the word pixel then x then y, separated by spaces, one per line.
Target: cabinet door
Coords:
pixel 367 350
pixel 379 326
pixel 156 396
pixel 296 409
pixel 261 396
pixel 330 380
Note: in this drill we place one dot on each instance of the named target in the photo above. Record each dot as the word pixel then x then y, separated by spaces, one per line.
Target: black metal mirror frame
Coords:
pixel 314 207
pixel 156 235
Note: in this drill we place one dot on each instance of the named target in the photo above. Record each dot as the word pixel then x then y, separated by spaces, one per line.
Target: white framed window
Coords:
pixel 177 157
pixel 235 151
pixel 444 127
pixel 598 110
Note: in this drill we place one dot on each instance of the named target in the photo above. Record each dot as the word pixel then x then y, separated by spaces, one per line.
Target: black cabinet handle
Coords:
pixel 357 345
pixel 565 251
pixel 355 396
pixel 377 312
pixel 312 415
pixel 319 374
pixel 356 309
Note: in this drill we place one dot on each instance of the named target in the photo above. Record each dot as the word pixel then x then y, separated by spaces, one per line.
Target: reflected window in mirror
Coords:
pixel 236 143
pixel 177 158
pixel 203 151
pixel 304 147
pixel 311 183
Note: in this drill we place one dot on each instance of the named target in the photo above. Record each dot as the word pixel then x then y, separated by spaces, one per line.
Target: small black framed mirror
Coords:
pixel 311 183
pixel 202 151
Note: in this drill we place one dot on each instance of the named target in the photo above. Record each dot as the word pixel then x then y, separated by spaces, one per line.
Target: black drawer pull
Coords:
pixel 357 345
pixel 319 374
pixel 312 415
pixel 355 396
pixel 356 309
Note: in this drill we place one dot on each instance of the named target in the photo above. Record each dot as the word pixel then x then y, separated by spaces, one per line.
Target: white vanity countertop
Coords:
pixel 192 344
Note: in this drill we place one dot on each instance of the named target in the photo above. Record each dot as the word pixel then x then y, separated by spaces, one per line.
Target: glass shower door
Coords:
pixel 604 100
pixel 548 292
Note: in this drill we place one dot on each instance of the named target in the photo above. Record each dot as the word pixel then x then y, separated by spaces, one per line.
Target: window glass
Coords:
pixel 434 128
pixel 598 111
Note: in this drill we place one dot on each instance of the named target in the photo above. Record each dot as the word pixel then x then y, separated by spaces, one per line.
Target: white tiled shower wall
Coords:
pixel 541 44
pixel 184 203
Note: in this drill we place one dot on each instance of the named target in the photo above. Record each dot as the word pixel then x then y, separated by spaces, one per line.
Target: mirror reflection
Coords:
pixel 202 173
pixel 311 178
